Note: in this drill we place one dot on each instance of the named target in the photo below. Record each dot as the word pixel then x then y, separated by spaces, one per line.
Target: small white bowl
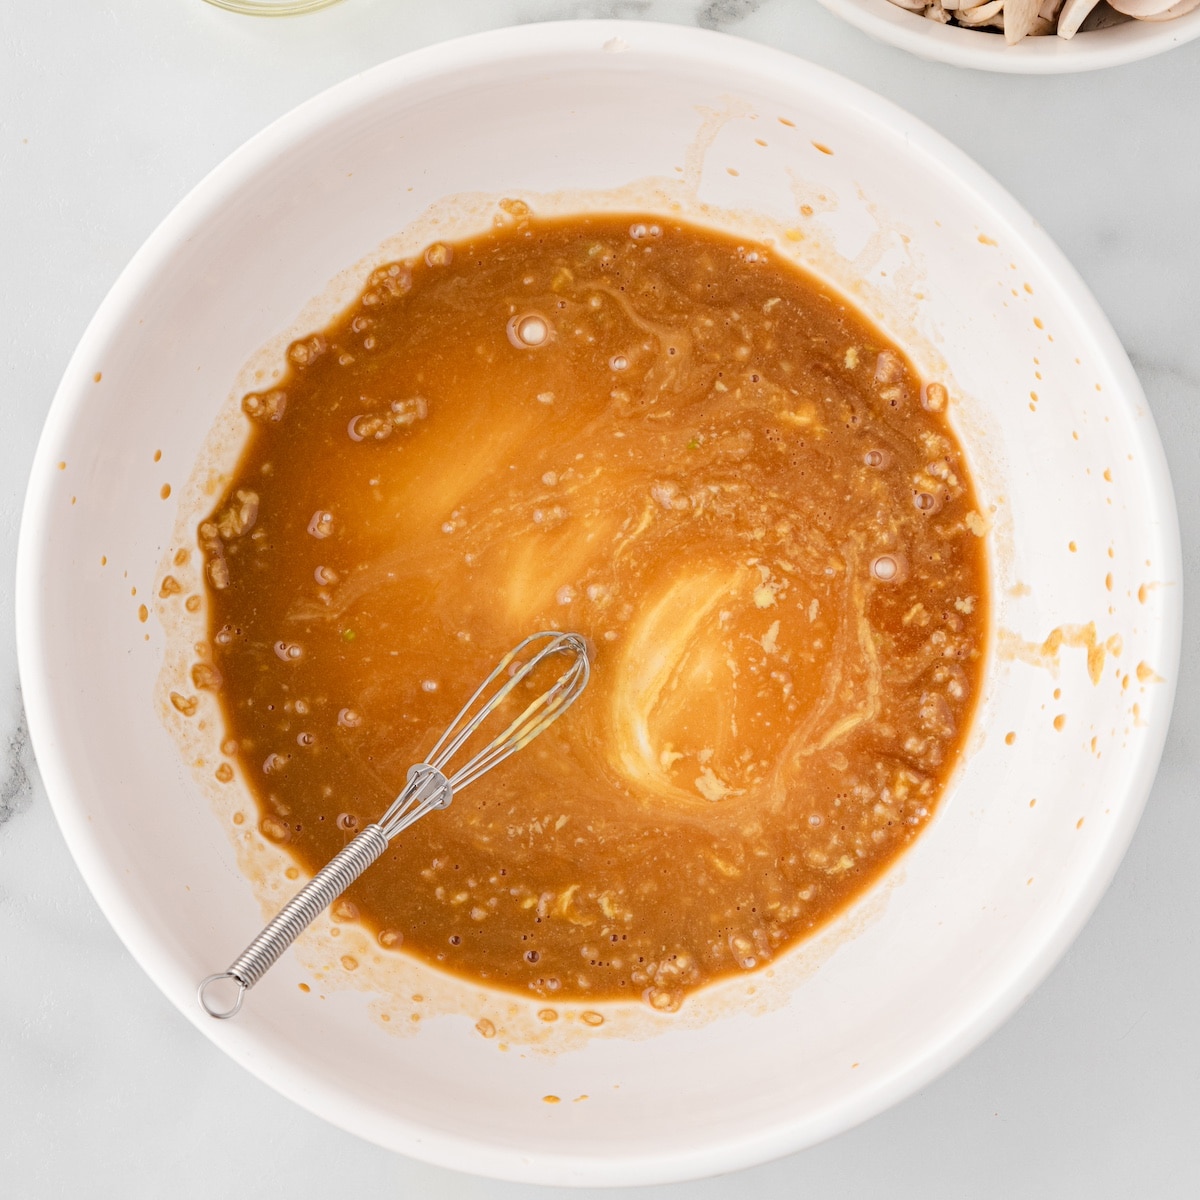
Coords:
pixel 986 51
pixel 1084 541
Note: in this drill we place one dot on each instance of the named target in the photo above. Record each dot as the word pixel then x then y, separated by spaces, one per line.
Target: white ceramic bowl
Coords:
pixel 1084 534
pixel 1086 51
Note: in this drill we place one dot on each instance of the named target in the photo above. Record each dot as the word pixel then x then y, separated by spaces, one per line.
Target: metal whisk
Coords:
pixel 427 788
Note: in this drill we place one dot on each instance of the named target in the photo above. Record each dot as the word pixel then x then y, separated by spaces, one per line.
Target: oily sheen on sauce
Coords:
pixel 679 445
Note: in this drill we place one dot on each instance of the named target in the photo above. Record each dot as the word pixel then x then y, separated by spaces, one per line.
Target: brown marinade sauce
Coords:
pixel 680 446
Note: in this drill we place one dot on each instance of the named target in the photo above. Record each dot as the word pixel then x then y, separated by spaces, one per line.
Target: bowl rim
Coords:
pixel 1127 42
pixel 144 940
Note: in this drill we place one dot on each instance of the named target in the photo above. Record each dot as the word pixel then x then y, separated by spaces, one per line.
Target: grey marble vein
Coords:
pixel 720 14
pixel 595 10
pixel 16 784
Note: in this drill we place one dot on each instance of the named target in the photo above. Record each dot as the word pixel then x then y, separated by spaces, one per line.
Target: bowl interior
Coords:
pixel 1083 539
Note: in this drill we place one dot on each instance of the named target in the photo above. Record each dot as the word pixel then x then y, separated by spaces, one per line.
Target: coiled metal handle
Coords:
pixel 294 918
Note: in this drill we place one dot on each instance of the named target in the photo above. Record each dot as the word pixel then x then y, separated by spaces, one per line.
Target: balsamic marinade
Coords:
pixel 679 445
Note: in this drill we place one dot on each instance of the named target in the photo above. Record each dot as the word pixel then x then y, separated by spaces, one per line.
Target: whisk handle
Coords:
pixel 295 917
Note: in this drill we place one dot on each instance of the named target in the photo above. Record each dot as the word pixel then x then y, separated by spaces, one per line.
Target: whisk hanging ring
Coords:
pixel 428 787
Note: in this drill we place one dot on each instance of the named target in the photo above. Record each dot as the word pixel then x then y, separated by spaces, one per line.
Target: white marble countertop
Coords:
pixel 109 113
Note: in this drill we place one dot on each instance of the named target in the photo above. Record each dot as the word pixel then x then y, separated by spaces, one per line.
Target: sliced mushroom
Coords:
pixel 1176 10
pixel 1073 14
pixel 981 14
pixel 1142 9
pixel 1019 16
pixel 1019 19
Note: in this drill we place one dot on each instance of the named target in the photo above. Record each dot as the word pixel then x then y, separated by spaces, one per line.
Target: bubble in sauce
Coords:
pixel 934 397
pixel 395 279
pixel 288 651
pixel 742 950
pixel 349 719
pixel 888 367
pixel 206 677
pixel 273 830
pixel 877 458
pixel 265 406
pixel 369 427
pixel 527 331
pixel 664 999
pixel 888 568
pixel 439 255
pixel 325 576
pixel 927 502
pixel 618 362
pixel 320 524
pixel 304 352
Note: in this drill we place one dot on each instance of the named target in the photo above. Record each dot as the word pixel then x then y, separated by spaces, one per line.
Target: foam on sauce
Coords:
pixel 696 456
